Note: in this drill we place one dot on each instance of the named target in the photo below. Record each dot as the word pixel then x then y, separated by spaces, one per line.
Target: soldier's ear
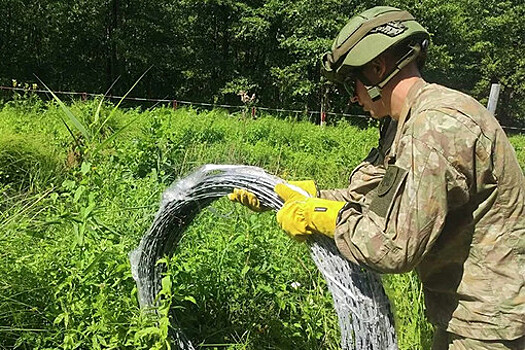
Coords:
pixel 378 67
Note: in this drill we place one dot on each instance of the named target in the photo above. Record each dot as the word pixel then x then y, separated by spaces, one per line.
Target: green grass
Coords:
pixel 518 141
pixel 67 225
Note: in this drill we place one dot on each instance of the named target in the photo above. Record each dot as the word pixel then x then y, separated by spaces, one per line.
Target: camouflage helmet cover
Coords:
pixel 366 36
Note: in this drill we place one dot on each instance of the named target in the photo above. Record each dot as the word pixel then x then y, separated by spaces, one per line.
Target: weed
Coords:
pixel 236 281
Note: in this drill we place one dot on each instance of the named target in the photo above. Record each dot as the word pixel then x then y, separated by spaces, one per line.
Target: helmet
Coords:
pixel 368 35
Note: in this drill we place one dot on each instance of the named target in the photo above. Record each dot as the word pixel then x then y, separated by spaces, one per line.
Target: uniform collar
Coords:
pixel 413 94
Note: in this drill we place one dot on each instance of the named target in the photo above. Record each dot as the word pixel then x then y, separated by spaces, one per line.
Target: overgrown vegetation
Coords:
pixel 67 225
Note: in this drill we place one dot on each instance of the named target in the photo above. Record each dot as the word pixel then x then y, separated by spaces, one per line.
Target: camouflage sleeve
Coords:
pixel 367 176
pixel 363 180
pixel 407 211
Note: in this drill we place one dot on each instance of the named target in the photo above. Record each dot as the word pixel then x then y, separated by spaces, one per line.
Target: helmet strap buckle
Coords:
pixel 374 91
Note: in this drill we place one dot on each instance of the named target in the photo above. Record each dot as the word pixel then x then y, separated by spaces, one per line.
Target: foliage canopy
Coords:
pixel 208 50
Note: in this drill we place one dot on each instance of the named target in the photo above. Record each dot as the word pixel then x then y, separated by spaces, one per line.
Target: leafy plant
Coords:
pixel 235 282
pixel 90 143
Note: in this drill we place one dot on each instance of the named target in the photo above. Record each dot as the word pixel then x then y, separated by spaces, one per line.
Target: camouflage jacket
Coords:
pixel 365 178
pixel 451 204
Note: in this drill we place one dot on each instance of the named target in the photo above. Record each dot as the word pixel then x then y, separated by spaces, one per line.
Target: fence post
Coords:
pixel 493 97
pixel 174 104
pixel 324 103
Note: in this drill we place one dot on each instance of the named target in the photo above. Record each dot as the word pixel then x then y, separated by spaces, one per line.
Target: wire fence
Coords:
pixel 175 104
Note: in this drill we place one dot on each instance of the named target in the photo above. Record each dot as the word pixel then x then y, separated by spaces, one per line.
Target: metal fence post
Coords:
pixel 493 97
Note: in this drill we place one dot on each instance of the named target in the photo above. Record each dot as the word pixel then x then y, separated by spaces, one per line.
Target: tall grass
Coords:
pixel 236 280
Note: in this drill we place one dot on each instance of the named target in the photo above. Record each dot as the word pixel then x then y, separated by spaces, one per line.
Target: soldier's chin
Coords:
pixel 375 116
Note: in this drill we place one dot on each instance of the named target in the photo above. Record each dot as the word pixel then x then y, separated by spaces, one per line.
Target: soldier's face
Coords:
pixel 377 109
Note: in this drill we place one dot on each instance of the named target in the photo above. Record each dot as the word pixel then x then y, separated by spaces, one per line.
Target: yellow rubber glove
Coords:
pixel 302 216
pixel 247 199
pixel 251 201
pixel 307 185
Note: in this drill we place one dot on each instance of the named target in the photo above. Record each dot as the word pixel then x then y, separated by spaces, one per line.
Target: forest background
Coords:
pixel 209 50
pixel 74 203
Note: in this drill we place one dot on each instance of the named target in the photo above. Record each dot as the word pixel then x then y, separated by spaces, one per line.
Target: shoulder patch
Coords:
pixel 388 180
pixel 387 189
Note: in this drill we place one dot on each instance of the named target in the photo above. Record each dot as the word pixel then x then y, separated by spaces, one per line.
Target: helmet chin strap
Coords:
pixel 374 91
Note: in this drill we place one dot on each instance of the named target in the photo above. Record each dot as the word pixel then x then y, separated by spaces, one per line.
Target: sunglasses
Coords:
pixel 345 80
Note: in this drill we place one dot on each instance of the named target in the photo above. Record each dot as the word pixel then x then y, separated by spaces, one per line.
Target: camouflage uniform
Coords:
pixel 365 178
pixel 451 205
pixel 449 341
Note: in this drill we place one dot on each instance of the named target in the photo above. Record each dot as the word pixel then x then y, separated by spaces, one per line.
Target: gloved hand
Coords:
pixel 301 216
pixel 247 199
pixel 307 185
pixel 251 201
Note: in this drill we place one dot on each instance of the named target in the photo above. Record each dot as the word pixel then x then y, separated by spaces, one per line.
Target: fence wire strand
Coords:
pixel 176 102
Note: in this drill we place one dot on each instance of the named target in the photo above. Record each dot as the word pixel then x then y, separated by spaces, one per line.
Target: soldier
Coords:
pixel 444 196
